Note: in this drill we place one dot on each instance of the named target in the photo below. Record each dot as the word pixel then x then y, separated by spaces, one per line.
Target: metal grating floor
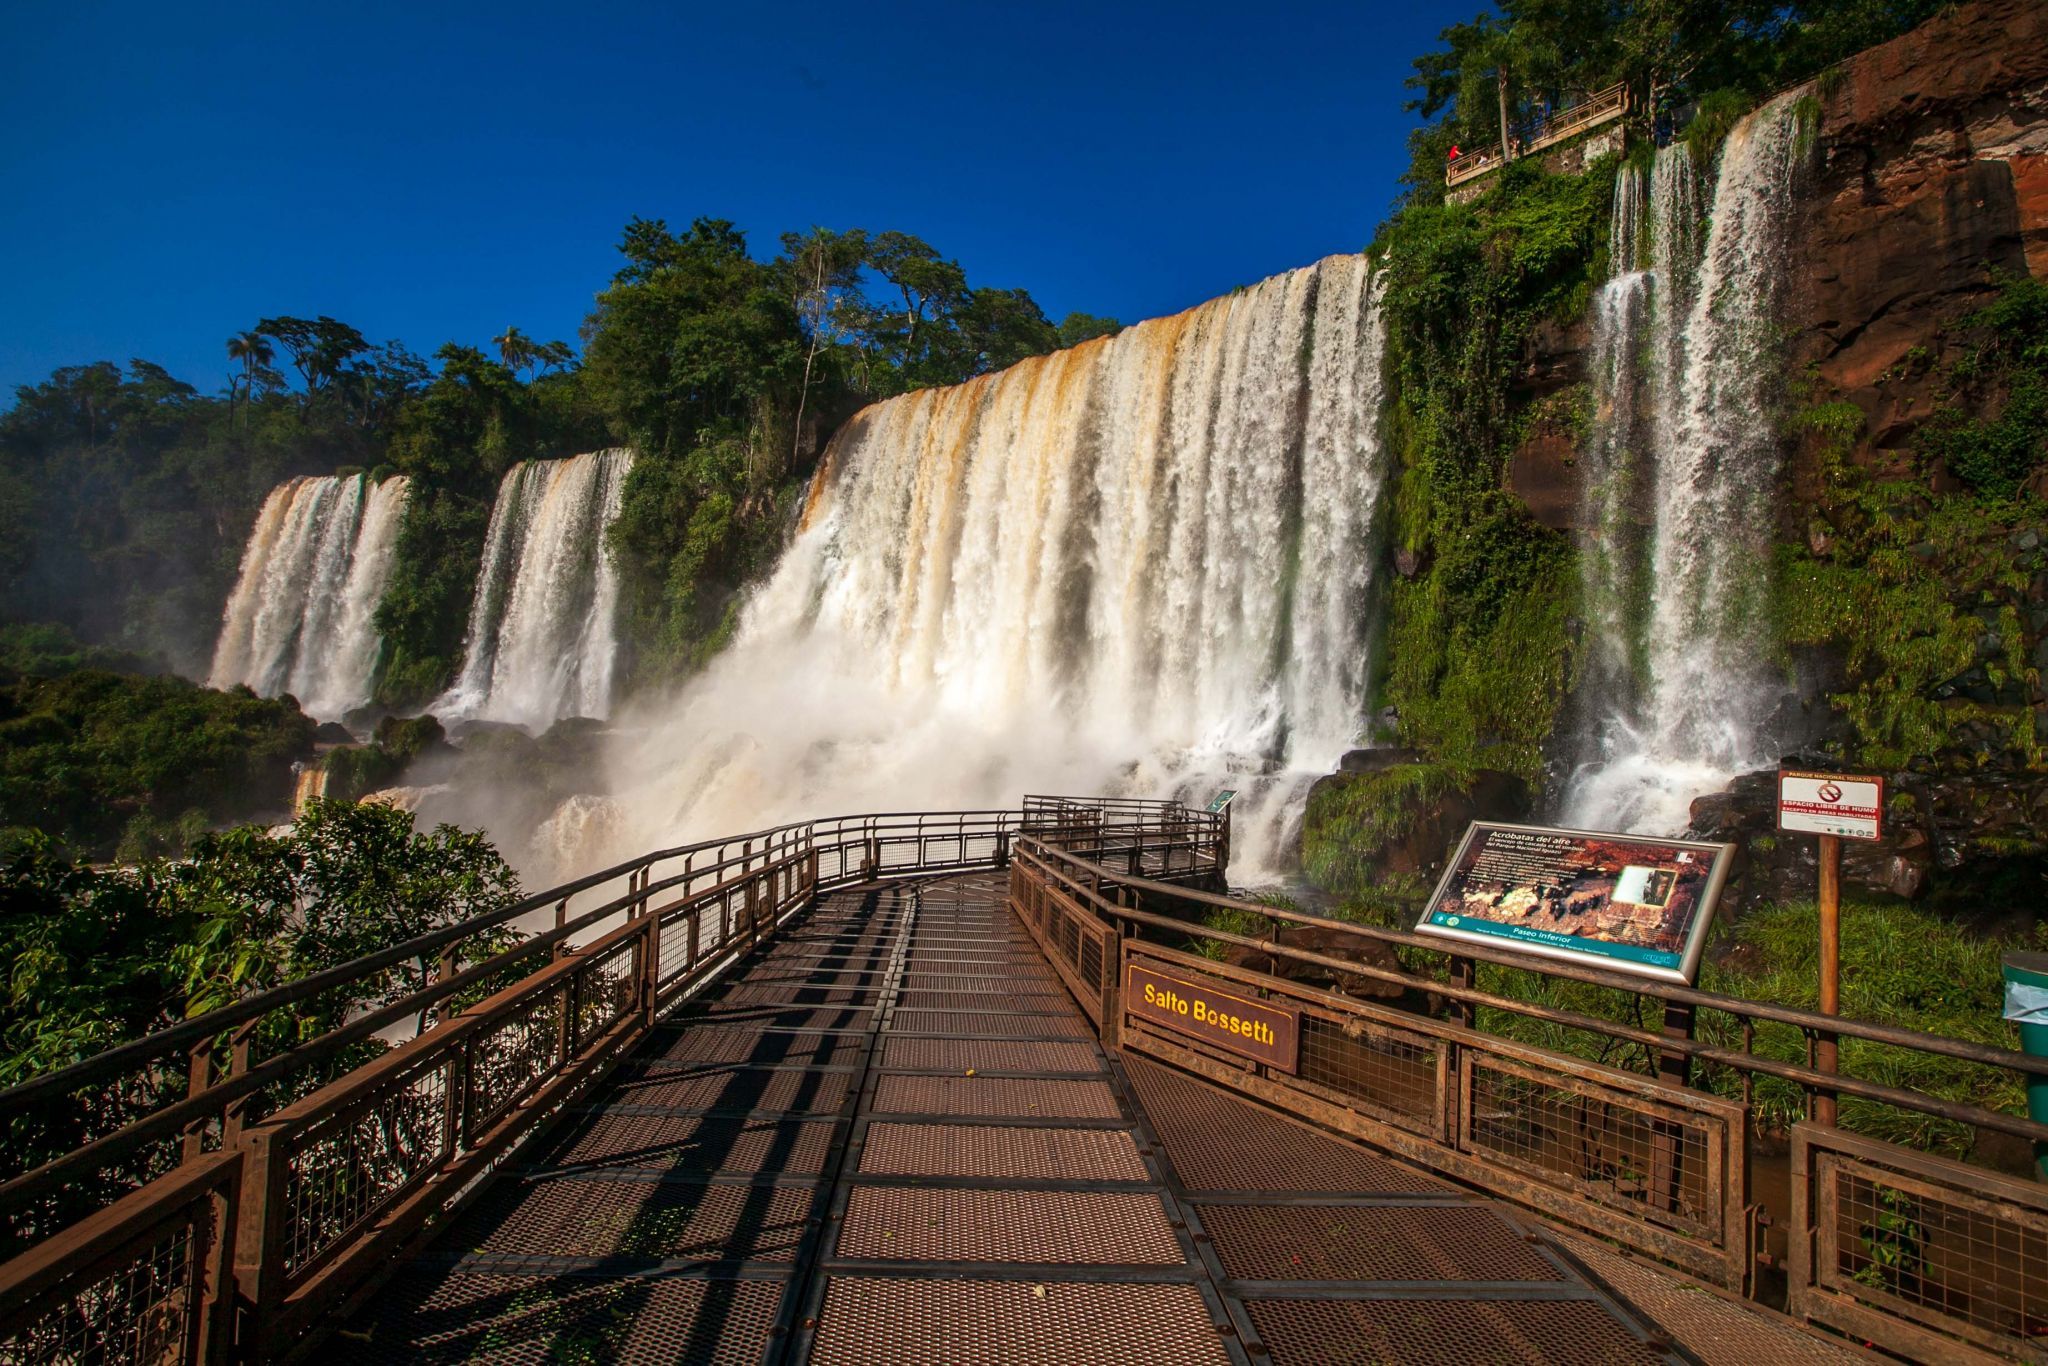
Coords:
pixel 891 1137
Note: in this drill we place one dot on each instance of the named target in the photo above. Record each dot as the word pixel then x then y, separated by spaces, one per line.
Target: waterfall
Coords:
pixel 301 618
pixel 542 632
pixel 1681 654
pixel 1140 565
pixel 309 784
pixel 1611 563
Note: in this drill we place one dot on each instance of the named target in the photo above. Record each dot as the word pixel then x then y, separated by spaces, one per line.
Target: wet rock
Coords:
pixel 465 731
pixel 1373 759
pixel 1423 831
pixel 332 733
pixel 363 720
pixel 411 736
pixel 1954 840
pixel 1334 943
pixel 1543 472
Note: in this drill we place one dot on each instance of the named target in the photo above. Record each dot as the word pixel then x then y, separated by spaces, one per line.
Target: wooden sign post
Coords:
pixel 1834 806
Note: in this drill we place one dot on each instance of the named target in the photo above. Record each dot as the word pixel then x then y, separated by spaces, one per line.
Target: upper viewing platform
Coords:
pixel 999 1086
pixel 1547 130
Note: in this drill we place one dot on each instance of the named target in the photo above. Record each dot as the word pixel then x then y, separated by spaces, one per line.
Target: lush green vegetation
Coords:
pixel 1351 824
pixel 1478 649
pixel 119 765
pixel 1900 965
pixel 1501 71
pixel 96 956
pixel 1921 581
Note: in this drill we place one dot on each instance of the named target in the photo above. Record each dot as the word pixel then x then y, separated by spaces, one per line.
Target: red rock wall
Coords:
pixel 1935 181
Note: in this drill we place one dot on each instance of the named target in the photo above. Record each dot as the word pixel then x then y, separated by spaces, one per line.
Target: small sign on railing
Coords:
pixel 1222 800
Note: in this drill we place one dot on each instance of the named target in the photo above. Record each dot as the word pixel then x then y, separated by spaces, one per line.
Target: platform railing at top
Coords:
pixel 248 1195
pixel 1601 107
pixel 1635 1132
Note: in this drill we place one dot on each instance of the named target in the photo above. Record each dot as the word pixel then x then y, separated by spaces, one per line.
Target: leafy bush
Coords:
pixel 1351 820
pixel 94 957
pixel 111 764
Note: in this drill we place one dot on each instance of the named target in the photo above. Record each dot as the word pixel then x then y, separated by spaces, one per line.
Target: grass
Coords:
pixel 1901 965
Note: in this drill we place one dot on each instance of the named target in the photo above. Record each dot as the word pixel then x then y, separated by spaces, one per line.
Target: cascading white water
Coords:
pixel 542 627
pixel 1143 565
pixel 1704 690
pixel 301 618
pixel 1610 562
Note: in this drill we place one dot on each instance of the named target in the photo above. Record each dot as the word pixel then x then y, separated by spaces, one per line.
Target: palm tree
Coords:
pixel 253 350
pixel 516 349
pixel 1519 53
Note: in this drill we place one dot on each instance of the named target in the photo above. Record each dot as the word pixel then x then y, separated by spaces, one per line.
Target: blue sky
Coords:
pixel 427 173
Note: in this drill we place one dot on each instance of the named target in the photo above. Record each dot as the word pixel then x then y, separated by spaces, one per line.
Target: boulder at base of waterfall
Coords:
pixel 1960 841
pixel 1335 943
pixel 1400 820
pixel 1374 758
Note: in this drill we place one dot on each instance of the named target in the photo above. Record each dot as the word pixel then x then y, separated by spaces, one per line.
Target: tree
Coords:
pixel 932 289
pixel 95 957
pixel 521 353
pixel 1076 328
pixel 319 348
pixel 824 269
pixel 999 327
pixel 254 351
pixel 514 348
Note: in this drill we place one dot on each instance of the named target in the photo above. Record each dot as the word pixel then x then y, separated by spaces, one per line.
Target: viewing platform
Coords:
pixel 910 1089
pixel 1596 110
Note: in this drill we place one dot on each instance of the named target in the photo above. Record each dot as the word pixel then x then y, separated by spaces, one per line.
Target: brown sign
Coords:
pixel 1229 1020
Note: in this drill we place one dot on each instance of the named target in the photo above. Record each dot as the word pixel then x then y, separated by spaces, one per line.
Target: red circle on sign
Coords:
pixel 1830 793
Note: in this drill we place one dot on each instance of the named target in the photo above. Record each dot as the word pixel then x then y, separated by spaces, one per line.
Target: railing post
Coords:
pixel 650 983
pixel 650 970
pixel 565 1025
pixel 198 1077
pixel 455 1104
pixel 216 1300
pixel 1464 973
pixel 259 1244
pixel 237 1113
pixel 1673 1069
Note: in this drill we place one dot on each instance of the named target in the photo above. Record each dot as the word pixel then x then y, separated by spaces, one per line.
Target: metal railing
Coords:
pixel 1921 1253
pixel 1596 109
pixel 281 1185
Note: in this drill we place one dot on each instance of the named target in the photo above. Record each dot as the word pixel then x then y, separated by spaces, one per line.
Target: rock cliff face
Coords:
pixel 1931 193
pixel 1935 183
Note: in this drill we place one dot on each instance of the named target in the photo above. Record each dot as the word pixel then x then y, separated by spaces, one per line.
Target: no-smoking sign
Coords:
pixel 1845 806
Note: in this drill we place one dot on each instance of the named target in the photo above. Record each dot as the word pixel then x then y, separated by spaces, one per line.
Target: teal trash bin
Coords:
pixel 2026 1004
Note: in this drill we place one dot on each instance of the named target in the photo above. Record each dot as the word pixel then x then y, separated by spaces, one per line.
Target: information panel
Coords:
pixel 1230 1020
pixel 1626 902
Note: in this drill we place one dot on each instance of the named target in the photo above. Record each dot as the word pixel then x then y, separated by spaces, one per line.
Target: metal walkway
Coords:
pixel 892 1138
